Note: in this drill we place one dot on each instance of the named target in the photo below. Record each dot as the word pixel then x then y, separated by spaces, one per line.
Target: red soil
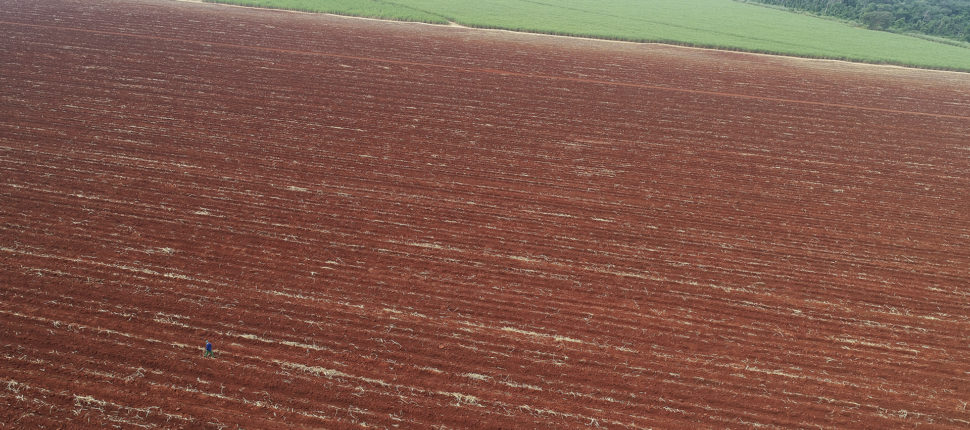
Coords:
pixel 408 225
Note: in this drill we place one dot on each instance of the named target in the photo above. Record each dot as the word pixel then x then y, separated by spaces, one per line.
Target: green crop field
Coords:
pixel 726 24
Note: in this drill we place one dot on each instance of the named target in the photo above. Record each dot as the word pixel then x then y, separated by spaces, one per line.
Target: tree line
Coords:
pixel 945 18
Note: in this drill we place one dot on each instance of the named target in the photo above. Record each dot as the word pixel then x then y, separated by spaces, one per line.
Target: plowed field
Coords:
pixel 402 225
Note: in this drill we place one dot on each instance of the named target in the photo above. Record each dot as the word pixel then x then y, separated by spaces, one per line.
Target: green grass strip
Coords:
pixel 724 24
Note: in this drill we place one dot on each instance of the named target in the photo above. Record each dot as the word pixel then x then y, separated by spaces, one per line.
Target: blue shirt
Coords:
pixel 208 346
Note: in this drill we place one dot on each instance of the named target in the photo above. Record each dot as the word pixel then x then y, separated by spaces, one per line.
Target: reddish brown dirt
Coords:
pixel 392 224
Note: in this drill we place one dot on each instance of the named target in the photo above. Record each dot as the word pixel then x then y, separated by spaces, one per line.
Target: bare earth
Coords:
pixel 401 225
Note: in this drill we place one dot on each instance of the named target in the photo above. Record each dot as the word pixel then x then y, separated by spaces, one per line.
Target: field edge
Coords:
pixel 450 21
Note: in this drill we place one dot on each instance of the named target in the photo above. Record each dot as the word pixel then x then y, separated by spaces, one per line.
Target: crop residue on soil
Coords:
pixel 384 224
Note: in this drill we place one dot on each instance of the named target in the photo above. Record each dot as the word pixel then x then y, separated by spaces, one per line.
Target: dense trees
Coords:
pixel 947 18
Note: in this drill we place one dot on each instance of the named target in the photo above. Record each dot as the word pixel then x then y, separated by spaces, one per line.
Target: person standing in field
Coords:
pixel 208 349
